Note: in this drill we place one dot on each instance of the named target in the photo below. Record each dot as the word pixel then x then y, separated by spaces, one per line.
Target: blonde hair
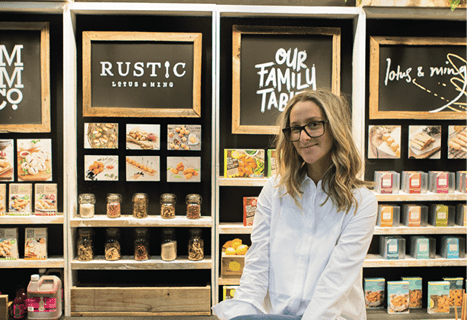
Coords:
pixel 342 176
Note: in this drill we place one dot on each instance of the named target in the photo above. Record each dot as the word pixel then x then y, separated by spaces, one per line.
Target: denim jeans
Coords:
pixel 266 317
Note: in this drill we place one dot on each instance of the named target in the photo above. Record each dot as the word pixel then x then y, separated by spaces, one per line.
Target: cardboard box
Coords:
pixel 398 297
pixel 455 291
pixel 9 244
pixel 35 246
pixel 374 292
pixel 249 209
pixel 415 292
pixel 232 265
pixel 229 292
pixel 243 163
pixel 45 201
pixel 438 297
pixel 20 196
pixel 388 216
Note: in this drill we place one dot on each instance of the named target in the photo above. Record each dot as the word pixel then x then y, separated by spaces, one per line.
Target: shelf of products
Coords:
pixel 58 219
pixel 150 221
pixel 50 262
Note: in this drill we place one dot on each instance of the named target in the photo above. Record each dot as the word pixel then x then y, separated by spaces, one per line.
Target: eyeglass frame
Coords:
pixel 302 128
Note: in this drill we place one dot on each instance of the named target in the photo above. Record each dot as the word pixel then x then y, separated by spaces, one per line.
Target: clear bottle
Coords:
pixel 112 244
pixel 168 244
pixel 85 245
pixel 168 201
pixel 114 201
pixel 193 206
pixel 195 245
pixel 141 243
pixel 87 202
pixel 140 205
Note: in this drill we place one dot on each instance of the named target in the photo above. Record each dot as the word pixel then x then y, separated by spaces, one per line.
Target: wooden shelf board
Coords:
pixel 242 182
pixel 229 281
pixel 102 220
pixel 58 219
pixel 234 228
pixel 377 261
pixel 421 230
pixel 129 263
pixel 52 262
pixel 429 196
pixel 382 314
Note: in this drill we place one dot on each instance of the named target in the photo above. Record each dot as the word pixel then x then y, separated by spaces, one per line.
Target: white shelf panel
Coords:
pixel 242 182
pixel 52 262
pixel 151 221
pixel 234 228
pixel 334 12
pixel 429 196
pixel 58 219
pixel 377 261
pixel 421 230
pixel 154 263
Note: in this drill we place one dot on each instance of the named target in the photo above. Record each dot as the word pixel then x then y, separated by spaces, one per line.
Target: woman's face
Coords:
pixel 314 151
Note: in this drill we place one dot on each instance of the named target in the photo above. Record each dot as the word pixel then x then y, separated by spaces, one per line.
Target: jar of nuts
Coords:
pixel 86 205
pixel 193 206
pixel 114 201
pixel 141 243
pixel 195 245
pixel 168 201
pixel 112 244
pixel 140 205
pixel 85 246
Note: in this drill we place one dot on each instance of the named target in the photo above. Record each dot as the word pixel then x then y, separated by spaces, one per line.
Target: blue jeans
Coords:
pixel 266 317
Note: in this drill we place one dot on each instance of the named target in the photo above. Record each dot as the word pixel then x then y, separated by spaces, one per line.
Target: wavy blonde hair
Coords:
pixel 342 176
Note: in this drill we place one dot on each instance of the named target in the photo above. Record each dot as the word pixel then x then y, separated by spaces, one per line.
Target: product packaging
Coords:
pixel 414 182
pixel 45 201
pixel 441 181
pixel 421 247
pixel 392 247
pixel 3 210
pixel 9 244
pixel 20 199
pixel 461 181
pixel 414 215
pixel 398 297
pixel 387 182
pixel 442 215
pixel 35 247
pixel 438 297
pixel 415 292
pixel 461 215
pixel 455 291
pixel 452 247
pixel 249 209
pixel 374 292
pixel 44 297
pixel 243 163
pixel 388 215
pixel 229 292
pixel 271 162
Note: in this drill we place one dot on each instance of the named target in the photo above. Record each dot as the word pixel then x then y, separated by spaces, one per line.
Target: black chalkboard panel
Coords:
pixel 141 74
pixel 271 64
pixel 417 78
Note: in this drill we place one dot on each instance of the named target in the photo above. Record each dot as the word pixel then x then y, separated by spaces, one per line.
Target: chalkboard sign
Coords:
pixel 24 77
pixel 418 78
pixel 141 74
pixel 272 64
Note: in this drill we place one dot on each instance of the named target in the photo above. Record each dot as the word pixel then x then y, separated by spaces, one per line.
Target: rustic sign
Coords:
pixel 24 77
pixel 272 64
pixel 141 74
pixel 418 78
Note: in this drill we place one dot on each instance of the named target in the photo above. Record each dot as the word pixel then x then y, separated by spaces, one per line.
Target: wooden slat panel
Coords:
pixel 4 307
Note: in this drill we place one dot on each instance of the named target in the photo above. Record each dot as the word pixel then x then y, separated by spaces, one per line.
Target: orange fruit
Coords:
pixel 230 251
pixel 227 244
pixel 242 249
pixel 236 243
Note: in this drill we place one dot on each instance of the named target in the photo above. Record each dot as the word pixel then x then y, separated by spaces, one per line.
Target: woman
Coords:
pixel 314 221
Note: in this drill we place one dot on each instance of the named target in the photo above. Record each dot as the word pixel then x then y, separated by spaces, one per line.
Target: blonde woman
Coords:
pixel 314 221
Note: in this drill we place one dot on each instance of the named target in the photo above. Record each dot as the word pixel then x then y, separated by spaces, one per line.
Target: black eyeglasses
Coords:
pixel 314 129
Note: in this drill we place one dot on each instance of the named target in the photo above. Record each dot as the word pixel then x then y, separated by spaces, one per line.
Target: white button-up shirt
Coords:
pixel 304 262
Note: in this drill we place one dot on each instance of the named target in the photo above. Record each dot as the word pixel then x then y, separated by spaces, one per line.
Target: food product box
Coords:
pixel 461 181
pixel 232 265
pixel 398 297
pixel 442 215
pixel 414 182
pixel 414 215
pixel 392 247
pixel 272 170
pixel 374 292
pixel 20 199
pixel 455 291
pixel 422 247
pixel 415 292
pixel 35 247
pixel 45 201
pixel 3 210
pixel 452 247
pixel 461 215
pixel 249 209
pixel 438 297
pixel 388 215
pixel 387 182
pixel 243 163
pixel 229 292
pixel 441 181
pixel 9 244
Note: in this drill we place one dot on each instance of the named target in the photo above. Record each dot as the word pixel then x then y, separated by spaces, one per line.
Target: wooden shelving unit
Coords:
pixel 58 219
pixel 151 221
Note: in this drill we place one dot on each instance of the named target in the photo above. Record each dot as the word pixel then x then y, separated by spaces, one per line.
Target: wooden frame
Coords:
pixel 44 28
pixel 238 31
pixel 375 44
pixel 150 37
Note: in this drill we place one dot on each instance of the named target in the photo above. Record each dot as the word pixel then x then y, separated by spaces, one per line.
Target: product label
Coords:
pixel 441 215
pixel 374 293
pixel 438 297
pixel 453 248
pixel 415 182
pixel 249 209
pixel 392 249
pixel 414 216
pixel 386 183
pixel 398 296
pixel 42 304
pixel 423 249
pixel 442 183
pixel 386 216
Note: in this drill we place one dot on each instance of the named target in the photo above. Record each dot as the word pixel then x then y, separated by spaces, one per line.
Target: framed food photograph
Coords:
pixel 418 78
pixel 425 142
pixel 25 59
pixel 7 163
pixel 384 142
pixel 143 168
pixel 183 169
pixel 143 136
pixel 100 168
pixel 184 137
pixel 141 74
pixel 101 136
pixel 34 157
pixel 270 64
pixel 457 142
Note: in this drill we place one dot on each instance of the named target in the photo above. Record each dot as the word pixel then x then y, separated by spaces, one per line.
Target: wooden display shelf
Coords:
pixel 242 182
pixel 382 314
pixel 377 261
pixel 234 228
pixel 229 281
pixel 102 220
pixel 129 263
pixel 52 262
pixel 427 197
pixel 58 219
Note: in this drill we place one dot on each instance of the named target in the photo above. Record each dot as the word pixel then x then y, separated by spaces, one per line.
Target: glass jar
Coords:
pixel 141 243
pixel 86 205
pixel 112 244
pixel 168 244
pixel 114 201
pixel 193 206
pixel 140 205
pixel 195 245
pixel 168 201
pixel 85 246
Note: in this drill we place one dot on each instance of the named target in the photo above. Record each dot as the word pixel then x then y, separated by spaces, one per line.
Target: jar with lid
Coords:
pixel 193 206
pixel 86 205
pixel 112 244
pixel 168 244
pixel 140 205
pixel 114 201
pixel 195 245
pixel 168 201
pixel 141 244
pixel 85 245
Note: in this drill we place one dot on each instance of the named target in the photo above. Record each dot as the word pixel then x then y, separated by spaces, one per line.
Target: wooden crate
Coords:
pixel 140 301
pixel 232 266
pixel 4 307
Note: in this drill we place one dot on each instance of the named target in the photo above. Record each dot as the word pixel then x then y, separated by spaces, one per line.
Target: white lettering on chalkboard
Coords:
pixel 10 89
pixel 273 80
pixel 138 69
